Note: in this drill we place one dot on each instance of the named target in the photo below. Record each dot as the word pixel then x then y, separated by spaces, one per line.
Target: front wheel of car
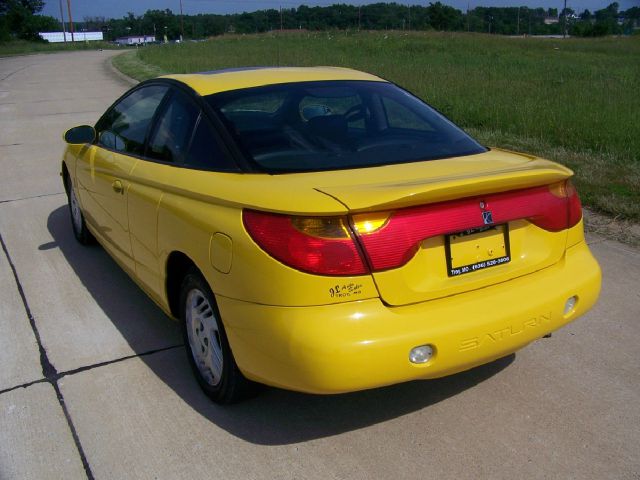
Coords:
pixel 80 230
pixel 208 349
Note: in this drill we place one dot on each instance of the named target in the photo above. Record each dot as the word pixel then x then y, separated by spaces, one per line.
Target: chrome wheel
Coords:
pixel 76 214
pixel 204 337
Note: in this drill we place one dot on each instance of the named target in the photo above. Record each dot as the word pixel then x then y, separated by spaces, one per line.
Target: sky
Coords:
pixel 119 8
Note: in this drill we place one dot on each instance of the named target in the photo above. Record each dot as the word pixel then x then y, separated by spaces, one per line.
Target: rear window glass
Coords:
pixel 314 126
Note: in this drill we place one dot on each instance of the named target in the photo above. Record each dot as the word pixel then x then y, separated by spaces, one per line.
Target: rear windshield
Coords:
pixel 315 126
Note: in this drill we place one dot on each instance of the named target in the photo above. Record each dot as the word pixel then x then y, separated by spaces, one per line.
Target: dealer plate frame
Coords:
pixel 482 265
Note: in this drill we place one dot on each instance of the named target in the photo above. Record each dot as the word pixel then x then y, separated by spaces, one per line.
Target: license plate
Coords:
pixel 477 249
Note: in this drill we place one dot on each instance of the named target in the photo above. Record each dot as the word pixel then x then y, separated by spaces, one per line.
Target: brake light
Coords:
pixel 319 245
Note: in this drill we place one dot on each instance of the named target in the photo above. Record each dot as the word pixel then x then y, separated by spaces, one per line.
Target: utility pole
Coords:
pixel 468 19
pixel 359 17
pixel 564 20
pixel 64 32
pixel 281 22
pixel 181 23
pixel 70 21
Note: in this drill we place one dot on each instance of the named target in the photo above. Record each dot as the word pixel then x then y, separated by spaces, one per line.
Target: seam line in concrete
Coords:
pixel 32 197
pixel 58 376
pixel 23 385
pixel 54 114
pixel 48 370
pixel 117 360
pixel 14 72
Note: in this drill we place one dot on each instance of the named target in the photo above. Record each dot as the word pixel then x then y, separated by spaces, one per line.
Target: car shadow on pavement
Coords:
pixel 274 417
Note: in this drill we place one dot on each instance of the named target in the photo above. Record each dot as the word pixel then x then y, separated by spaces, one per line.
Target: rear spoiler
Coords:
pixel 427 188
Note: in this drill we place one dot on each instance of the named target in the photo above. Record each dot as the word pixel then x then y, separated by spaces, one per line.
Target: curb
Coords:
pixel 125 78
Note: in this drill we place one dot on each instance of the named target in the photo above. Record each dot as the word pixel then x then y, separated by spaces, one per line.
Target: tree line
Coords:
pixel 18 19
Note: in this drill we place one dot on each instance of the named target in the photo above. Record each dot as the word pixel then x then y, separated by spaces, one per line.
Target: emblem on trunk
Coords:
pixel 487 218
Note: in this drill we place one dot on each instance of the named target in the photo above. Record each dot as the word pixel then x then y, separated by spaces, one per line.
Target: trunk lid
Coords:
pixel 452 198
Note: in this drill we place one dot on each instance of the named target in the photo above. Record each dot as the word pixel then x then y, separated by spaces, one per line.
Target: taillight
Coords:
pixel 329 246
pixel 574 208
pixel 390 240
pixel 319 245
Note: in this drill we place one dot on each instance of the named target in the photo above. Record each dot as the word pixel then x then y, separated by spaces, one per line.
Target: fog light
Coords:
pixel 570 305
pixel 421 354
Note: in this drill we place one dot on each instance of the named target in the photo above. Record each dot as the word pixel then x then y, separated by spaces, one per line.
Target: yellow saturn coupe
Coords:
pixel 324 230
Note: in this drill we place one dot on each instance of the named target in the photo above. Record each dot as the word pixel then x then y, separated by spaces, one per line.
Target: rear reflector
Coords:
pixel 319 245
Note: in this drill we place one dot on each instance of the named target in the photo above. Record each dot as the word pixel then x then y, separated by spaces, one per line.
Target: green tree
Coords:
pixel 444 17
pixel 607 20
pixel 18 19
pixel 33 6
pixel 586 15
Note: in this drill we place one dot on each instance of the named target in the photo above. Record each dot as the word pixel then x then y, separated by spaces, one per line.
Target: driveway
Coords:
pixel 94 381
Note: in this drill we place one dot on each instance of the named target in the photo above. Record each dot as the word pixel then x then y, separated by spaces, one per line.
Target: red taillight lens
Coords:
pixel 319 245
pixel 552 208
pixel 328 246
pixel 575 207
pixel 558 208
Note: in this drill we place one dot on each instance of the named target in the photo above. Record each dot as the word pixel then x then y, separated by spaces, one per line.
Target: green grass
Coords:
pixel 576 101
pixel 130 64
pixel 22 47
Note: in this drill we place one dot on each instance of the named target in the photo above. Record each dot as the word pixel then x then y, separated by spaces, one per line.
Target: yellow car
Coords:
pixel 323 230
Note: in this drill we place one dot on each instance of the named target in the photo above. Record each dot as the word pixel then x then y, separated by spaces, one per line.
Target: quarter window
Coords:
pixel 205 151
pixel 172 134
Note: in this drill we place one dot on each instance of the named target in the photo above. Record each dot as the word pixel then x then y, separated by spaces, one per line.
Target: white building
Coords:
pixel 57 37
pixel 136 39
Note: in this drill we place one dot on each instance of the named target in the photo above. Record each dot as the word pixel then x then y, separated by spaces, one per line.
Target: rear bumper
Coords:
pixel 359 345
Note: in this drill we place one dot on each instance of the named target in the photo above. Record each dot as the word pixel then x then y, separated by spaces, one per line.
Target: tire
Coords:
pixel 78 224
pixel 206 343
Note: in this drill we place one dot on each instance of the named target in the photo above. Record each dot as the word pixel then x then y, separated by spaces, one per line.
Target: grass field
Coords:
pixel 576 101
pixel 22 47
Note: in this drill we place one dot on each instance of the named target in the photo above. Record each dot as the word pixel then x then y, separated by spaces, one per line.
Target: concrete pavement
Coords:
pixel 94 382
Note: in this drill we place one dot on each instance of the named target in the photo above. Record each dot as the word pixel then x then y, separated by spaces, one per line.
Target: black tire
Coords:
pixel 78 224
pixel 206 343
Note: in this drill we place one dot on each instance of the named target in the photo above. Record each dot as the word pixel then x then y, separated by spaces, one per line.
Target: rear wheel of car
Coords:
pixel 208 349
pixel 80 230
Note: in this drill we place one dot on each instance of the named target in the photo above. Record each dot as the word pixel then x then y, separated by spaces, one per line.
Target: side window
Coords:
pixel 125 126
pixel 170 140
pixel 399 116
pixel 205 151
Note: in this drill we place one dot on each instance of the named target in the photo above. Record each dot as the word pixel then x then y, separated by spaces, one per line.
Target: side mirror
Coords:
pixel 80 135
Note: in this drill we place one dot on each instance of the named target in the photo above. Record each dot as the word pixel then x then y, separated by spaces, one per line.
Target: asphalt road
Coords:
pixel 94 381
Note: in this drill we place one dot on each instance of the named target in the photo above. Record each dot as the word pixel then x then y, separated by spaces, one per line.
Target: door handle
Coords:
pixel 117 186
